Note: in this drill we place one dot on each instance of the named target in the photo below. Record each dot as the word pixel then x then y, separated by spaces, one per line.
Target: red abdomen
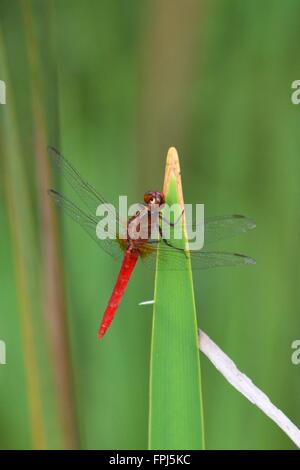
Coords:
pixel 128 264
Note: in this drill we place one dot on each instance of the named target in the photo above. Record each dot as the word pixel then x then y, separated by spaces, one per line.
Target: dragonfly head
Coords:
pixel 154 197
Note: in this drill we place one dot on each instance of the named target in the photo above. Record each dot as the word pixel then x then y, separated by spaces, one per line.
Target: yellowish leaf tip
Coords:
pixel 172 163
pixel 173 171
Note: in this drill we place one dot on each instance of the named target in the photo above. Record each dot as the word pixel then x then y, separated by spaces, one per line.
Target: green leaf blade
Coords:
pixel 176 411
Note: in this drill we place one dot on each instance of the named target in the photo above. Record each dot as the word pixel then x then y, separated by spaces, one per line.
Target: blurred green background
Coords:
pixel 113 84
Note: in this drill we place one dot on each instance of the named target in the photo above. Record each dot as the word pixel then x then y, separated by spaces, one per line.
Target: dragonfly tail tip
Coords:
pixel 100 334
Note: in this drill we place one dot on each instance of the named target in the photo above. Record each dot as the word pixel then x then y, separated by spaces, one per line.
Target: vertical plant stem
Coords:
pixel 25 256
pixel 52 276
pixel 170 51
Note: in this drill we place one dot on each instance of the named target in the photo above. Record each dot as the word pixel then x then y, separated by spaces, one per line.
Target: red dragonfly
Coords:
pixel 129 249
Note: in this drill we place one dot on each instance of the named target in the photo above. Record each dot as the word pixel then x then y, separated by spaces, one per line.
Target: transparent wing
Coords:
pixel 170 258
pixel 88 222
pixel 223 227
pixel 175 259
pixel 216 228
pixel 87 193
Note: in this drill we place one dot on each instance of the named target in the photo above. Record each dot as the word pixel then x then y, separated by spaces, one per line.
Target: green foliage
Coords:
pixel 176 410
pixel 212 78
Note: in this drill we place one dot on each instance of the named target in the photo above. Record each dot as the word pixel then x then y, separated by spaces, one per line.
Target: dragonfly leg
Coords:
pixel 172 224
pixel 170 244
